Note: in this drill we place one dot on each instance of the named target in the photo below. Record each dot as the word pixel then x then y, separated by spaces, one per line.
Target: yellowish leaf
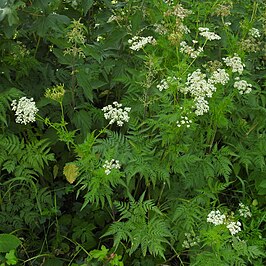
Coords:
pixel 71 172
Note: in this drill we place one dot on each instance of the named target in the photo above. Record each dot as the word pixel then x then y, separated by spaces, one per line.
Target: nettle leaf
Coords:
pixel 71 172
pixel 53 22
pixel 83 80
pixel 42 3
pixel 86 5
pixel 93 51
pixel 8 242
pixel 82 120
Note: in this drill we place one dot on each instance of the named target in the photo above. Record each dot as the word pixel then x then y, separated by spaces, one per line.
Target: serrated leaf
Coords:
pixel 71 172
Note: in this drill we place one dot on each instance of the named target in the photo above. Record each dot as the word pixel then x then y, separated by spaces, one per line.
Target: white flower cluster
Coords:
pixel 201 105
pixel 169 2
pixel 163 85
pixel 189 50
pixel 219 76
pixel 209 35
pixel 181 12
pixel 216 218
pixel 242 86
pixel 234 227
pixel 109 165
pixel 185 121
pixel 235 63
pixel 244 211
pixel 138 42
pixel 255 33
pixel 116 113
pixel 25 110
pixel 160 28
pixel 191 240
pixel 199 88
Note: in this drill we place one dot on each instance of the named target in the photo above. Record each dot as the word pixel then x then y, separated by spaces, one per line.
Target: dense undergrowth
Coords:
pixel 132 132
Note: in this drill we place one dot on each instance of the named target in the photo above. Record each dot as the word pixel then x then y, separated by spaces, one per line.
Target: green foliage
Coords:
pixel 102 255
pixel 142 225
pixel 5 98
pixel 81 188
pixel 8 242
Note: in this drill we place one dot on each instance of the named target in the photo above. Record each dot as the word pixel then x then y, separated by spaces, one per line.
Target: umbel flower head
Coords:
pixel 116 113
pixel 109 165
pixel 25 110
pixel 209 35
pixel 55 93
pixel 138 42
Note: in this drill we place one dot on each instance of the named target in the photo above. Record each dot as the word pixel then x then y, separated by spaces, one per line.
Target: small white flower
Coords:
pixel 109 165
pixel 163 85
pixel 138 42
pixel 255 33
pixel 216 218
pixel 25 110
pixel 116 113
pixel 161 29
pixel 244 211
pixel 242 86
pixel 200 89
pixel 189 50
pixel 234 227
pixel 235 63
pixel 201 29
pixel 219 76
pixel 209 35
pixel 191 240
pixel 184 122
pixel 201 105
pixel 228 23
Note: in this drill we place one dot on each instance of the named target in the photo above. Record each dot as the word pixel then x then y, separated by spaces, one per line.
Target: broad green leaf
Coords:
pixel 8 242
pixel 53 22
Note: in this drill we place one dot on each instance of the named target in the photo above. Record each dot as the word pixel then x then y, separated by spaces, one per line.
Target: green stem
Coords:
pixel 254 11
pixel 37 46
pixel 161 192
pixel 177 255
pixel 77 244
pixel 39 256
pixel 191 63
